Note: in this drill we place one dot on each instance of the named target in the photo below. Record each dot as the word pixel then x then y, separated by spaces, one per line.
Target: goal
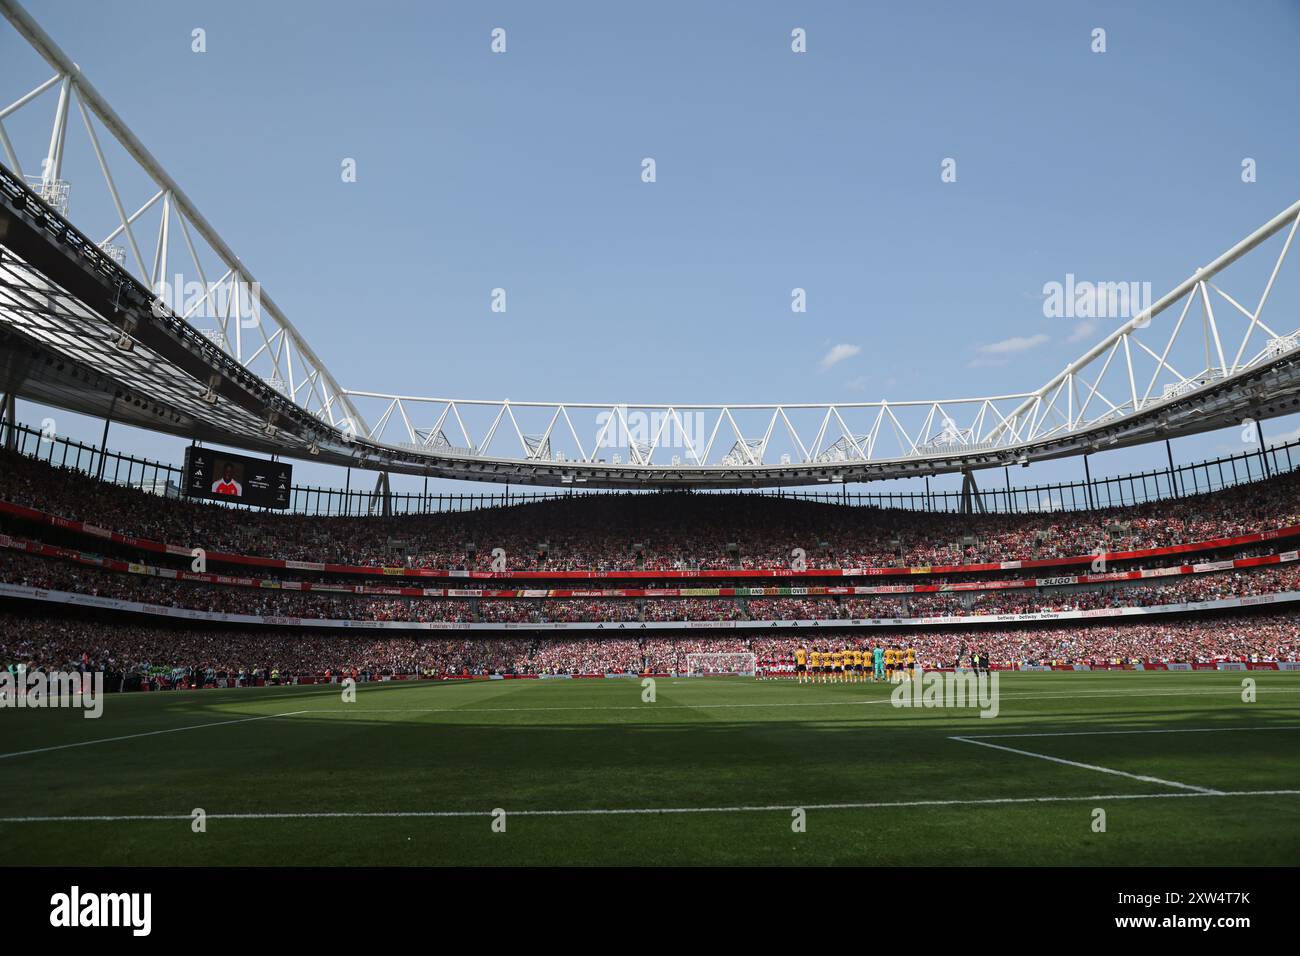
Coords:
pixel 717 665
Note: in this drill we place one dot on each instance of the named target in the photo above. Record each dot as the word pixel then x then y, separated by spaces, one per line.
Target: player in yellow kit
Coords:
pixel 845 666
pixel 911 662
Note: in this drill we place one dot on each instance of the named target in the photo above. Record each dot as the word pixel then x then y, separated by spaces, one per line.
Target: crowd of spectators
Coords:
pixel 1204 639
pixel 665 531
pixel 694 609
pixel 52 643
pixel 58 575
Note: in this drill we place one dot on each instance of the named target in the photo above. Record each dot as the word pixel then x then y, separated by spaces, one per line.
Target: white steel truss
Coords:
pixel 1155 374
pixel 220 296
pixel 1193 340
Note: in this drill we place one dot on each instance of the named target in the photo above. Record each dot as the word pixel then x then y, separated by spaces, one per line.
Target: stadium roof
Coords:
pixel 81 328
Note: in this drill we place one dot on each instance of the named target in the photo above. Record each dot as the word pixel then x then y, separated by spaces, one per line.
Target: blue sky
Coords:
pixel 774 171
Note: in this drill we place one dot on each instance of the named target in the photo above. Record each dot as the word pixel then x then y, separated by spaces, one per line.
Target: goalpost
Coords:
pixel 721 664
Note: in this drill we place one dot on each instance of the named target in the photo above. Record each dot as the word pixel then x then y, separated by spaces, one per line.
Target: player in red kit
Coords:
pixel 227 485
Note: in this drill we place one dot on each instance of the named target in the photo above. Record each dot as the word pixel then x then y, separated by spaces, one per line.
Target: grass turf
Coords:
pixel 716 743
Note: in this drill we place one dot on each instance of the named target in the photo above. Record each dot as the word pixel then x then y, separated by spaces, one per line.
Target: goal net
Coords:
pixel 717 665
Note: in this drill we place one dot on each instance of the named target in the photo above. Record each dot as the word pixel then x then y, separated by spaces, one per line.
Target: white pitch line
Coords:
pixel 147 733
pixel 641 811
pixel 1108 733
pixel 1088 766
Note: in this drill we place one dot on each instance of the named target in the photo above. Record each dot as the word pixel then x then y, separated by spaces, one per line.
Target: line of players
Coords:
pixel 854 665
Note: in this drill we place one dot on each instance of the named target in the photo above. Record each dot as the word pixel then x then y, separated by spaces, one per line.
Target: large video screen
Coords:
pixel 225 476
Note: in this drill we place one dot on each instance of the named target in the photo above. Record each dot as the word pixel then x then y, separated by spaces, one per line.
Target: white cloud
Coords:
pixel 997 353
pixel 1014 345
pixel 1084 330
pixel 838 353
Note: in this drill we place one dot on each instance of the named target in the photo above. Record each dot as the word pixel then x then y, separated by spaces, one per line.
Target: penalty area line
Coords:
pixel 147 733
pixel 1207 791
pixel 641 811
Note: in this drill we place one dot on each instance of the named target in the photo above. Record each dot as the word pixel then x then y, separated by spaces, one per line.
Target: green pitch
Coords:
pixel 1185 771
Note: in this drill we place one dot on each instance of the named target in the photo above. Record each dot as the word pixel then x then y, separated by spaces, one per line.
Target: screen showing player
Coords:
pixel 230 483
